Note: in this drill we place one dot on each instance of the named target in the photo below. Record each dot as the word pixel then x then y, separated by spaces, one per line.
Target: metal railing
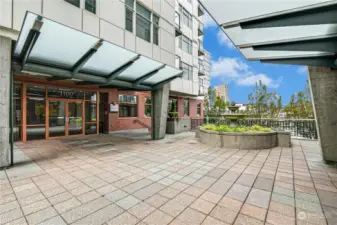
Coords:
pixel 299 128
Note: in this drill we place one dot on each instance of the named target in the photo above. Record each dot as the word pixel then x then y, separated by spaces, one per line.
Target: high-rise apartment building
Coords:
pixel 222 92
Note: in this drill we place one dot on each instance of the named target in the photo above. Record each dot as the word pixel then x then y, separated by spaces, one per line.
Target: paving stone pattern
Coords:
pixel 112 180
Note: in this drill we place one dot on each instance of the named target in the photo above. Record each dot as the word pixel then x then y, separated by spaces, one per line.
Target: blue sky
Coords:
pixel 229 67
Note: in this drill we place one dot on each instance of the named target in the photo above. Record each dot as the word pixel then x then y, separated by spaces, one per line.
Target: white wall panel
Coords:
pixel 130 41
pixel 143 47
pixel 20 9
pixel 71 15
pixel 111 33
pixel 90 23
pixel 113 11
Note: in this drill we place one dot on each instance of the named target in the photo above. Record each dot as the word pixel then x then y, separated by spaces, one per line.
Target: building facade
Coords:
pixel 222 92
pixel 187 92
pixel 47 108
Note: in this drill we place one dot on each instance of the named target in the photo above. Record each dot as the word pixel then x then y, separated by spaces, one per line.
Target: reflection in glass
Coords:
pixel 36 91
pixel 90 129
pixel 17 133
pixel 17 104
pixel 75 118
pixel 36 111
pixel 54 92
pixel 90 95
pixel 90 112
pixel 36 133
pixel 57 120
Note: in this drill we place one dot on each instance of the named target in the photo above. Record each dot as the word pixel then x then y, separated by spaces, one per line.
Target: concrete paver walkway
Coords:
pixel 113 180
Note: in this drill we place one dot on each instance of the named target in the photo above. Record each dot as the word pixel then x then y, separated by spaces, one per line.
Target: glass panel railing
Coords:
pixel 177 20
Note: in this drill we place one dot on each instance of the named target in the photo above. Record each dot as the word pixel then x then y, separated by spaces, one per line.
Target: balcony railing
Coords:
pixel 177 24
pixel 299 128
pixel 201 91
pixel 201 69
pixel 178 62
pixel 201 11
pixel 201 48
pixel 200 29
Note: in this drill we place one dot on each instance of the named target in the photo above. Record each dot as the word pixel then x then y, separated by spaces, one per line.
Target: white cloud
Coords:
pixel 224 40
pixel 302 70
pixel 208 21
pixel 237 71
pixel 228 67
pixel 251 80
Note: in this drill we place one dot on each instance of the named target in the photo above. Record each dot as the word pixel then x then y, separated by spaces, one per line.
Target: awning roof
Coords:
pixel 47 47
pixel 284 32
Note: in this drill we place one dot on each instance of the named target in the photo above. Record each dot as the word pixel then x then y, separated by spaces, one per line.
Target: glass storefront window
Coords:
pixel 57 119
pixel 90 112
pixel 54 92
pixel 148 104
pixel 36 111
pixel 17 104
pixel 36 91
pixel 90 128
pixel 36 133
pixel 91 96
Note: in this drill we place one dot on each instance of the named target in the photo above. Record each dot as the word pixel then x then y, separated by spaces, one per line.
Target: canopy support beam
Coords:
pixel 80 63
pixel 122 68
pixel 314 16
pixel 323 45
pixel 148 75
pixel 32 37
pixel 159 85
pixel 314 61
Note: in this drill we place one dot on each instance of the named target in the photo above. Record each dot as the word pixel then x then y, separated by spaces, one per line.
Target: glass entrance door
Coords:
pixel 75 117
pixel 57 118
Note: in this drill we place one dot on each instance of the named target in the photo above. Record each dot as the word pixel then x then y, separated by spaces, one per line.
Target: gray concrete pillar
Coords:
pixel 159 111
pixel 323 82
pixel 5 66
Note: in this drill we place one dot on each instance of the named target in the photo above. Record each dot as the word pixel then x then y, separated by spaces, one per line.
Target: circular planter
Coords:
pixel 245 140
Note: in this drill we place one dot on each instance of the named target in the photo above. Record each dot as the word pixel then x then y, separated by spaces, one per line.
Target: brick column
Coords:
pixel 5 65
pixel 323 82
pixel 159 111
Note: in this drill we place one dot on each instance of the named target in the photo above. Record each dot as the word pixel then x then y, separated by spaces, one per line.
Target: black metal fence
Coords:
pixel 305 128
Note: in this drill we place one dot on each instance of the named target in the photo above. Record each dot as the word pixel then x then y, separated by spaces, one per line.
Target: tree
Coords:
pixel 219 105
pixel 209 98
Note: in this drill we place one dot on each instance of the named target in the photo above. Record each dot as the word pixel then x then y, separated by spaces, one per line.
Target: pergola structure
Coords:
pixel 290 32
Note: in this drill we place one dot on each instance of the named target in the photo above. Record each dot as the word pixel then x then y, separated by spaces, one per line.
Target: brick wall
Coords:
pixel 127 123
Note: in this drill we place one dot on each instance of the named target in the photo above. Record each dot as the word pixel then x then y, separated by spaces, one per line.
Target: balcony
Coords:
pixel 201 11
pixel 201 69
pixel 201 91
pixel 178 62
pixel 200 29
pixel 201 48
pixel 177 24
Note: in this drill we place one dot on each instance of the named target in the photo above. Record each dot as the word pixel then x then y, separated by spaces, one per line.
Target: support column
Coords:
pixel 5 67
pixel 159 111
pixel 323 83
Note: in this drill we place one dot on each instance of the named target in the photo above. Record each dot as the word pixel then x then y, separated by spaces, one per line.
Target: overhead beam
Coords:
pixel 80 63
pixel 118 71
pixel 312 61
pixel 148 75
pixel 323 45
pixel 31 39
pixel 159 85
pixel 66 74
pixel 313 16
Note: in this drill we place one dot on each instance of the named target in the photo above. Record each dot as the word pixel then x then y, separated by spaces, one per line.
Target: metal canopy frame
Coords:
pixel 255 36
pixel 22 62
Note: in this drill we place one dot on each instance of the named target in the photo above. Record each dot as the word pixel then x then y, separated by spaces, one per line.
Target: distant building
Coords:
pixel 222 92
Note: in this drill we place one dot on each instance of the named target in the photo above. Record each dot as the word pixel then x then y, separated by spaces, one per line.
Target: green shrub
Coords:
pixel 240 129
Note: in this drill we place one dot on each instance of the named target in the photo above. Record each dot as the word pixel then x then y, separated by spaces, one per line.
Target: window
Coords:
pixel 127 106
pixel 129 15
pixel 180 41
pixel 148 103
pixel 187 71
pixel 186 45
pixel 90 5
pixel 199 109
pixel 187 18
pixel 17 112
pixel 143 23
pixel 74 2
pixel 155 20
pixel 186 107
pixel 172 106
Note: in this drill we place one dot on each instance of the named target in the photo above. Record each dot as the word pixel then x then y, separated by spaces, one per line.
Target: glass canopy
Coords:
pixel 47 47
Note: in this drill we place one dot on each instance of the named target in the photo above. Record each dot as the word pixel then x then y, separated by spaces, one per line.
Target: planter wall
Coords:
pixel 178 126
pixel 249 140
